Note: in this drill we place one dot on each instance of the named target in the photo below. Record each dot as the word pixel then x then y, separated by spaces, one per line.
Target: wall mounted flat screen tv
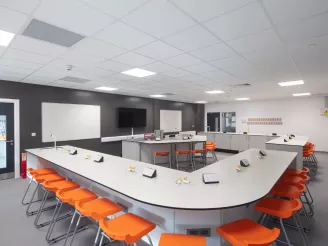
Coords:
pixel 132 117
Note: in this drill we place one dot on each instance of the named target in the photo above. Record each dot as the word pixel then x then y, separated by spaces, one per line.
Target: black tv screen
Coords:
pixel 132 117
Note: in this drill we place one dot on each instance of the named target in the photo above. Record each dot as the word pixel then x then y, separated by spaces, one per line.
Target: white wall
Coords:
pixel 300 116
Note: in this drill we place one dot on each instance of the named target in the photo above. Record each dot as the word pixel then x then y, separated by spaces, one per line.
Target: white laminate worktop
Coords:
pixel 235 188
pixel 194 139
pixel 241 133
pixel 296 141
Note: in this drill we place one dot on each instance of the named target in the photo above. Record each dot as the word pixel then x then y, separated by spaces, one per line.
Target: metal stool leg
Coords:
pixel 101 239
pixel 97 236
pixel 285 233
pixel 28 213
pixel 70 226
pixel 76 227
pixel 300 229
pixel 53 222
pixel 28 187
pixel 149 239
pixel 45 196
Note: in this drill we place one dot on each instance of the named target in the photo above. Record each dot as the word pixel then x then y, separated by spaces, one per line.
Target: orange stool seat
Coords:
pixel 77 195
pixel 127 227
pixel 48 177
pixel 183 152
pixel 98 209
pixel 63 185
pixel 288 190
pixel 199 151
pixel 293 179
pixel 161 153
pixel 294 171
pixel 278 207
pixel 181 240
pixel 41 171
pixel 246 232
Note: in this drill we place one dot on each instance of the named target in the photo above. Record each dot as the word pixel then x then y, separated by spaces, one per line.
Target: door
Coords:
pixel 229 122
pixel 213 122
pixel 7 160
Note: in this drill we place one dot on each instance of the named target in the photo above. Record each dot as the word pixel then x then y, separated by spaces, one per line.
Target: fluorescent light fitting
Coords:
pixel 200 102
pixel 243 99
pixel 214 92
pixel 104 88
pixel 301 94
pixel 157 96
pixel 5 38
pixel 292 83
pixel 137 72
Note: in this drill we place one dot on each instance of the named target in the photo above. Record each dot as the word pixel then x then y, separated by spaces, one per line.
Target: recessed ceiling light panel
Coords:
pixel 137 72
pixel 243 99
pixel 291 83
pixel 214 92
pixel 201 102
pixel 104 88
pixel 301 94
pixel 5 38
pixel 157 96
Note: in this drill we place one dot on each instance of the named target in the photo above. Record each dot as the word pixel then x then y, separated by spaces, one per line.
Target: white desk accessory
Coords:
pixel 149 172
pixel 158 139
pixel 244 163
pixel 73 152
pixel 98 158
pixel 238 168
pixel 55 141
pixel 210 178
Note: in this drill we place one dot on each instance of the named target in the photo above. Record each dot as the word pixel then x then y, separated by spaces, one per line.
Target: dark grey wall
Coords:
pixel 31 97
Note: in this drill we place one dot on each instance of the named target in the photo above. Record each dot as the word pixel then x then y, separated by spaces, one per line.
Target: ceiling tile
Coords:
pixel 114 66
pixel 2 49
pixel 177 73
pixel 98 48
pixel 193 38
pixel 37 46
pixel 27 56
pixel 200 68
pixel 11 21
pixel 19 64
pixel 194 78
pixel 161 77
pixel 214 52
pixel 80 59
pixel 133 59
pixel 183 60
pixel 221 76
pixel 74 16
pixel 258 41
pixel 64 84
pixel 231 61
pixel 158 18
pixel 240 22
pixel 158 67
pixel 115 8
pixel 282 11
pixel 124 36
pixel 305 29
pixel 9 76
pixel 37 80
pixel 99 72
pixel 158 50
pixel 208 9
pixel 246 73
pixel 20 5
pixel 22 71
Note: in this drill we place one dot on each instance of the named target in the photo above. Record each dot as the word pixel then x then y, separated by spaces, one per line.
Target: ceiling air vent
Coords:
pixel 75 79
pixel 242 85
pixel 168 94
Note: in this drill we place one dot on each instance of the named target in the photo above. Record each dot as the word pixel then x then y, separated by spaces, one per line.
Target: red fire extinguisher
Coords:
pixel 23 166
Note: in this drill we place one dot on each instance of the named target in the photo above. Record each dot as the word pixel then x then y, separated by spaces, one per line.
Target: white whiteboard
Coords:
pixel 171 120
pixel 70 121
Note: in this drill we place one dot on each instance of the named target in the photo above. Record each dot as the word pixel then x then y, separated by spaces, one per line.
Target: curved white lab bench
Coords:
pixel 174 208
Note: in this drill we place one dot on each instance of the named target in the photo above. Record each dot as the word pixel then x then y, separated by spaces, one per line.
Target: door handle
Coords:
pixel 10 141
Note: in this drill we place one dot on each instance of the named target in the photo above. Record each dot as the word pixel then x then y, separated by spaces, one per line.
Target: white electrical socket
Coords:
pixel 33 134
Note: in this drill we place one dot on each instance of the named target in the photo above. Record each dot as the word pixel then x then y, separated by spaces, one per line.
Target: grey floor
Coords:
pixel 17 229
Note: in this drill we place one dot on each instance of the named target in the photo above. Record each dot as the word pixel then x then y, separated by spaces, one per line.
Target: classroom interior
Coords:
pixel 163 122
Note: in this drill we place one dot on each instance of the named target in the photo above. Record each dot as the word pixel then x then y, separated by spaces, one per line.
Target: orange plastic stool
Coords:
pixel 97 209
pixel 189 155
pixel 30 172
pixel 295 171
pixel 246 232
pixel 282 209
pixel 71 197
pixel 181 240
pixel 167 154
pixel 127 227
pixel 51 183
